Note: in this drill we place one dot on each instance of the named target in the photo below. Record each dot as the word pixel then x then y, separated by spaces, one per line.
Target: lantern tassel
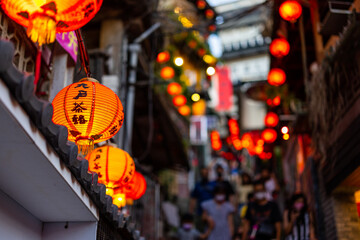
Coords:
pixel 42 29
pixel 37 67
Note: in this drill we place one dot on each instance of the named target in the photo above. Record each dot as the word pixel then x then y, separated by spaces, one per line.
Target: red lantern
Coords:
pixel 179 100
pixel 113 165
pixel 201 52
pixel 290 10
pixel 136 187
pixel 273 102
pixel 233 127
pixel 212 28
pixel 92 113
pixel 279 47
pixel 209 14
pixel 215 140
pixel 184 110
pixel 174 88
pixel 271 119
pixel 167 72
pixel 201 4
pixel 192 43
pixel 269 135
pixel 163 57
pixel 44 18
pixel 276 77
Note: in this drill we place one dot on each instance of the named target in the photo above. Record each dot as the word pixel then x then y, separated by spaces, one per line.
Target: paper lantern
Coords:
pixel 119 200
pixel 215 140
pixel 279 47
pixel 199 108
pixel 92 112
pixel 184 110
pixel 274 102
pixel 290 10
pixel 114 166
pixel 276 77
pixel 174 88
pixel 271 119
pixel 163 57
pixel 136 187
pixel 209 14
pixel 201 4
pixel 201 52
pixel 179 100
pixel 269 135
pixel 167 72
pixel 44 18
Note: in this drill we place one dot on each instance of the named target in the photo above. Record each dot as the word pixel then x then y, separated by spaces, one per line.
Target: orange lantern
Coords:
pixel 174 88
pixel 92 113
pixel 273 102
pixel 209 14
pixel 136 187
pixel 201 4
pixel 276 77
pixel 44 18
pixel 184 110
pixel 163 57
pixel 215 140
pixel 179 100
pixel 199 108
pixel 119 199
pixel 279 47
pixel 269 135
pixel 271 119
pixel 233 127
pixel 114 166
pixel 290 10
pixel 167 72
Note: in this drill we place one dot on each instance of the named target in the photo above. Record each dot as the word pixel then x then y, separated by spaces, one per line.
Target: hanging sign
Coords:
pixel 69 43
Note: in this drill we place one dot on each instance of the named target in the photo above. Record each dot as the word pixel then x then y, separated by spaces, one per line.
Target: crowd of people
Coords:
pixel 244 210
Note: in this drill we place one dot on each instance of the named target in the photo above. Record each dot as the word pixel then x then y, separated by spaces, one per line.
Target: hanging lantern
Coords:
pixel 167 72
pixel 212 28
pixel 179 100
pixel 209 14
pixel 184 110
pixel 114 166
pixel 269 135
pixel 136 187
pixel 92 113
pixel 201 4
pixel 199 108
pixel 276 77
pixel 201 52
pixel 119 200
pixel 174 88
pixel 274 102
pixel 271 119
pixel 163 57
pixel 192 43
pixel 43 19
pixel 279 47
pixel 215 140
pixel 290 10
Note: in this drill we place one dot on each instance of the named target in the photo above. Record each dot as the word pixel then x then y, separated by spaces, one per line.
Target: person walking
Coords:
pixel 298 224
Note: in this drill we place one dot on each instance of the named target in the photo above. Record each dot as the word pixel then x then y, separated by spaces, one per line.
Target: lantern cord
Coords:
pixel 37 67
pixel 84 56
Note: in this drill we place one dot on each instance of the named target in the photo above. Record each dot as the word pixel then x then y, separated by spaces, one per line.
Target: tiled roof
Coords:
pixel 41 112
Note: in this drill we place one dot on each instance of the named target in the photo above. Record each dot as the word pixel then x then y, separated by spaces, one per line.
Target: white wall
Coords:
pixel 16 223
pixel 70 231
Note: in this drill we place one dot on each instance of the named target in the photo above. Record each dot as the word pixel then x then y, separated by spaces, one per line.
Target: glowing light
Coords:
pixel 195 97
pixel 286 136
pixel 184 110
pixel 201 4
pixel 167 72
pixel 284 130
pixel 174 88
pixel 290 10
pixel 269 135
pixel 179 100
pixel 210 71
pixel 215 140
pixel 163 57
pixel 271 119
pixel 209 14
pixel 279 47
pixel 209 59
pixel 276 77
pixel 179 61
pixel 185 22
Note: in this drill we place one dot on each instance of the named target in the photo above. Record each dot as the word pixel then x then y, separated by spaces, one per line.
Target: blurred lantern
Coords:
pixel 167 72
pixel 286 136
pixel 199 108
pixel 279 47
pixel 113 165
pixel 43 19
pixel 195 97
pixel 174 88
pixel 209 14
pixel 179 100
pixel 290 10
pixel 259 149
pixel 276 77
pixel 92 113
pixel 233 127
pixel 210 71
pixel 119 200
pixel 136 187
pixel 273 102
pixel 184 110
pixel 269 135
pixel 237 144
pixel 271 119
pixel 212 28
pixel 357 201
pixel 209 59
pixel 163 57
pixel 179 61
pixel 216 144
pixel 284 130
pixel 201 4
pixel 192 43
pixel 201 52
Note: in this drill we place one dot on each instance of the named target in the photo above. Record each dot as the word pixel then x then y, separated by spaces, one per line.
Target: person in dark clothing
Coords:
pixel 203 191
pixel 297 220
pixel 220 181
pixel 263 219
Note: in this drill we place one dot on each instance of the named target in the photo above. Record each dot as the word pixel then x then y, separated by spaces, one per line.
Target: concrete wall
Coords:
pixel 16 223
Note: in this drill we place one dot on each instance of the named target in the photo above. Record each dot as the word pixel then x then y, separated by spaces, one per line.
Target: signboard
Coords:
pixel 225 89
pixel 68 41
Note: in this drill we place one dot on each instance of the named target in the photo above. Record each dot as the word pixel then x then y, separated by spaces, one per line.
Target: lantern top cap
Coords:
pixel 89 79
